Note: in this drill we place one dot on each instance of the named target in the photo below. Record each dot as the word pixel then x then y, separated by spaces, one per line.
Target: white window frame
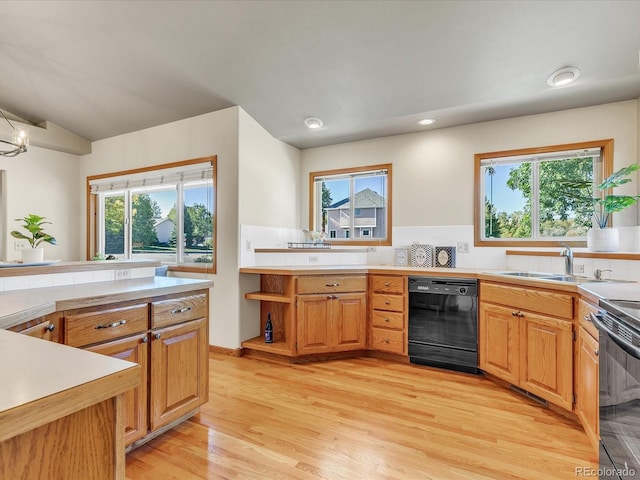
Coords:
pixel 603 147
pixel 179 176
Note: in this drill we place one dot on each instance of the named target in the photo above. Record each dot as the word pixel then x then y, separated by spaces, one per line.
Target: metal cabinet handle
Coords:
pixel 596 352
pixel 180 310
pixel 520 314
pixel 329 297
pixel 386 284
pixel 111 325
pixel 331 284
pixel 514 314
pixel 157 336
pixel 144 339
pixel 386 340
pixel 387 302
pixel 387 320
pixel 50 328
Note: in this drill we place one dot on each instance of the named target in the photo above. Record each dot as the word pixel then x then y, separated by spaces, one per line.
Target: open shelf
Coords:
pixel 268 297
pixel 257 343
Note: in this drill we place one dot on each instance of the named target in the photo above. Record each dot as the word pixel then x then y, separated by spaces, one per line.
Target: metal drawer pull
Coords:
pixel 180 310
pixel 386 340
pixel 386 320
pixel 386 284
pixel 111 325
pixel 331 284
pixel 144 339
pixel 387 302
pixel 50 328
pixel 157 335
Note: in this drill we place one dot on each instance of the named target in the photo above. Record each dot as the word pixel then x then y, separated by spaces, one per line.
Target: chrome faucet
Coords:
pixel 598 273
pixel 567 253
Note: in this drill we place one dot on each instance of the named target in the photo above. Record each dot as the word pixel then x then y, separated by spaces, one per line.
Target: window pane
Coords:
pixel 198 224
pixel 561 214
pixel 152 225
pixel 370 205
pixel 335 213
pixel 114 225
pixel 507 190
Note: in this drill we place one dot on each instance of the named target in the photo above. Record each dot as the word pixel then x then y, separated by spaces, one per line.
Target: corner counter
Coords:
pixel 63 415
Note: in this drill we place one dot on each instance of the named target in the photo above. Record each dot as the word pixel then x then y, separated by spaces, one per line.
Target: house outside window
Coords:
pixel 352 206
pixel 164 213
pixel 525 197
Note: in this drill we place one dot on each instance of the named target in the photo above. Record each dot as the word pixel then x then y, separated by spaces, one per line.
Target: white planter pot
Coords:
pixel 603 240
pixel 33 255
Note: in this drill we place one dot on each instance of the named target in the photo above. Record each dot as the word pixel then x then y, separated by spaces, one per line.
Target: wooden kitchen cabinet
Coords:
pixel 331 323
pixel 179 371
pixel 526 339
pixel 133 349
pixel 48 327
pixel 388 316
pixel 168 337
pixel 331 314
pixel 587 374
pixel 499 335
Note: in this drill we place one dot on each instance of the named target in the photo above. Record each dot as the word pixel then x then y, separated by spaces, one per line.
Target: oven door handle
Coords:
pixel 622 343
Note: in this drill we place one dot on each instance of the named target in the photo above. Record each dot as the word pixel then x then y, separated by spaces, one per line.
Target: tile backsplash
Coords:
pixel 490 258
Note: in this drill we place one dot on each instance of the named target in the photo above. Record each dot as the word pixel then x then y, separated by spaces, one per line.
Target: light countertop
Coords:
pixel 19 306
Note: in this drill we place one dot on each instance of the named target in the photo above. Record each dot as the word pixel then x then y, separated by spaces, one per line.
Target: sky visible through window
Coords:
pixel 504 199
pixel 340 189
pixel 166 199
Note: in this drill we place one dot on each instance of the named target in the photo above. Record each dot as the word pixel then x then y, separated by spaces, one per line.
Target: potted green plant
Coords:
pixel 35 236
pixel 601 205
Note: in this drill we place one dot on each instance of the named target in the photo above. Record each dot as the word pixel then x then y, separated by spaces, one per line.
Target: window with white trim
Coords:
pixel 525 196
pixel 164 213
pixel 353 205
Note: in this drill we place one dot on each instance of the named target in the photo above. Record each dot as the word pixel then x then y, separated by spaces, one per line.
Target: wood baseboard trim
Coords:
pixel 231 352
pixel 393 357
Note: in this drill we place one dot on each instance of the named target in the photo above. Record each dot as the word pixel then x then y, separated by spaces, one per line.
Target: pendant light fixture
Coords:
pixel 19 140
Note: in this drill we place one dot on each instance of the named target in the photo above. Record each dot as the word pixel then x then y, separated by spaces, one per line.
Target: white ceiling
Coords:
pixel 366 68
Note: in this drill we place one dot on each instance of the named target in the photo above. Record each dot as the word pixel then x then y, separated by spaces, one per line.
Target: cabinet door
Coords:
pixel 348 319
pixel 499 335
pixel 546 347
pixel 314 323
pixel 179 371
pixel 133 349
pixel 587 385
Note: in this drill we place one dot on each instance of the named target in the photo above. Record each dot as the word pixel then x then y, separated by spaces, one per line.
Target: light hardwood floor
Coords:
pixel 361 419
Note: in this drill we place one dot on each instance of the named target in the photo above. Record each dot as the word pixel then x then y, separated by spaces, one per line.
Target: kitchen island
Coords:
pixel 67 412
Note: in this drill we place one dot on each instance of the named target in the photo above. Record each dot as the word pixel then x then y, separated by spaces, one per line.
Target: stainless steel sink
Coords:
pixel 561 278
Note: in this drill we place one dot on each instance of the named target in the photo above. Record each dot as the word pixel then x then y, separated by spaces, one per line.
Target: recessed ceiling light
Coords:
pixel 427 121
pixel 313 122
pixel 563 76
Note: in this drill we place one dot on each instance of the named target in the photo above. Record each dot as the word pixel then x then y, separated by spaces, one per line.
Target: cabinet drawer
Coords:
pixel 391 303
pixel 332 283
pixel 387 340
pixel 584 320
pixel 387 319
pixel 95 327
pixel 178 310
pixel 556 304
pixel 387 284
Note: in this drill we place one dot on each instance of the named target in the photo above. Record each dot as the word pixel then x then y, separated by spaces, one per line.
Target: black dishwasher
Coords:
pixel 443 323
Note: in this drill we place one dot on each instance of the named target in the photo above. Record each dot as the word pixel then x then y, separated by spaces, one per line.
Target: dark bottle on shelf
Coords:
pixel 268 330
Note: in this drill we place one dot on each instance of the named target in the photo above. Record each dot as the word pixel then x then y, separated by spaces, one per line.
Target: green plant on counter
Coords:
pixel 36 235
pixel 602 205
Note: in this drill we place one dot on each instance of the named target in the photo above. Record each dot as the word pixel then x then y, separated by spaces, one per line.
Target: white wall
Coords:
pixel 46 183
pixel 433 171
pixel 211 134
pixel 268 203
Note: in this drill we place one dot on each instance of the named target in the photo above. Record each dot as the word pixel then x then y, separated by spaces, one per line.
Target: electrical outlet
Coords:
pixel 463 247
pixel 123 274
pixel 313 259
pixel 20 245
pixel 578 269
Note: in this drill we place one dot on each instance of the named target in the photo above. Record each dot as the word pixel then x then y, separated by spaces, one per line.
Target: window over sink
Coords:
pixel 521 196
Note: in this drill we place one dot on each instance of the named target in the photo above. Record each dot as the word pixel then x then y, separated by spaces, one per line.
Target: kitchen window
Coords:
pixel 164 213
pixel 522 196
pixel 352 206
